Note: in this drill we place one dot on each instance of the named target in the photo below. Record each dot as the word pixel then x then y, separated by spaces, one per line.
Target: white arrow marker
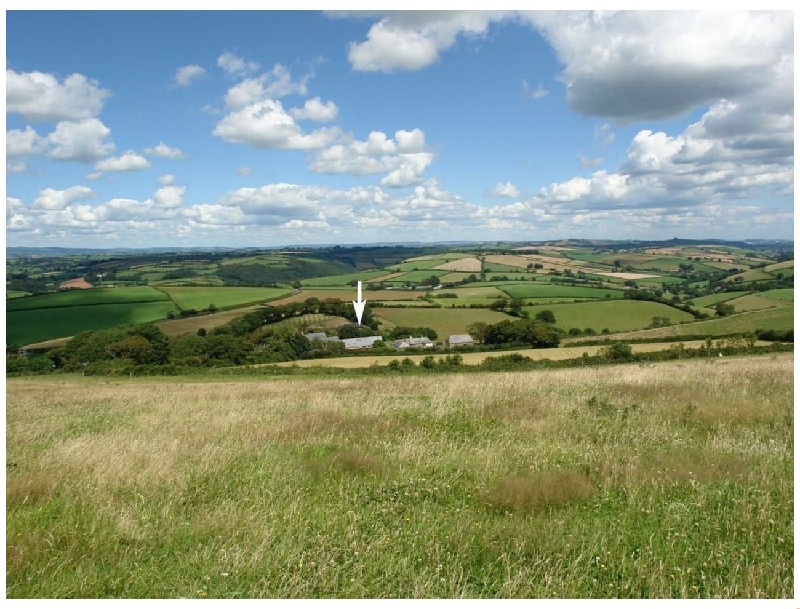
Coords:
pixel 359 305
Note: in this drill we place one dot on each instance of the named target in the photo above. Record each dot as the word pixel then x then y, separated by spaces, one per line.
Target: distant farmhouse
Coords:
pixel 459 340
pixel 405 343
pixel 364 342
pixel 76 284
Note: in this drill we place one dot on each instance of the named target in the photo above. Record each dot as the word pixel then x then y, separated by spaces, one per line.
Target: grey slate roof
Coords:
pixel 460 339
pixel 403 343
pixel 360 343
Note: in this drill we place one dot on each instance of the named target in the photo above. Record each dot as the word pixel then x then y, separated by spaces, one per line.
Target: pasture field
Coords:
pixel 190 325
pixel 668 481
pixel 95 296
pixel 754 302
pixel 15 294
pixel 616 315
pixel 753 275
pixel 550 290
pixel 417 276
pixel 476 292
pixel 417 263
pixel 36 325
pixel 350 294
pixel 200 297
pixel 712 299
pixel 780 293
pixel 780 319
pixel 466 265
pixel 444 321
pixel 454 277
pixel 779 266
pixel 343 280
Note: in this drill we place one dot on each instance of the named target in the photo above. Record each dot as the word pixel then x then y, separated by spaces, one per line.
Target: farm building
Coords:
pixel 365 342
pixel 405 343
pixel 459 340
pixel 322 337
pixel 76 284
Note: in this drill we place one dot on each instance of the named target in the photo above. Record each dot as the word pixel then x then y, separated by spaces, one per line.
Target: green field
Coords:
pixel 16 294
pixel 201 297
pixel 710 301
pixel 421 264
pixel 754 302
pixel 780 319
pixel 95 296
pixel 780 293
pixel 616 315
pixel 444 321
pixel 417 276
pixel 36 325
pixel 548 290
pixel 754 275
pixel 343 280
pixel 673 480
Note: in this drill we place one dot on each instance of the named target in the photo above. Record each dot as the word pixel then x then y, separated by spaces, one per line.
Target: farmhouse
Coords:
pixel 76 284
pixel 365 342
pixel 459 340
pixel 405 343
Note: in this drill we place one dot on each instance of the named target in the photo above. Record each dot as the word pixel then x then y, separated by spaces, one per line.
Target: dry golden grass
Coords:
pixel 467 265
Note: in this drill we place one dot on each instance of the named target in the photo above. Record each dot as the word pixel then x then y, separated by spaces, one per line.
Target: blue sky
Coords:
pixel 273 128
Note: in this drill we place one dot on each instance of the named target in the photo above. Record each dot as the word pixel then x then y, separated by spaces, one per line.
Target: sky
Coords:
pixel 271 128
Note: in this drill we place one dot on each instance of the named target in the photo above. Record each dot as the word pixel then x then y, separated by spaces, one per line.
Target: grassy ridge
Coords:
pixel 200 297
pixel 75 298
pixel 616 315
pixel 548 290
pixel 33 326
pixel 668 481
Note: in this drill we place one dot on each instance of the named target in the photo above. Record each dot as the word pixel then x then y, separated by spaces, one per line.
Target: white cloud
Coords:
pixel 603 136
pixel 169 197
pixel 94 176
pixel 167 179
pixel 186 74
pixel 266 125
pixel 83 141
pixel 52 199
pixel 24 143
pixel 16 167
pixel 413 40
pixel 640 65
pixel 537 93
pixel 40 97
pixel 585 161
pixel 315 110
pixel 130 161
pixel 165 151
pixel 504 190
pixel 233 65
pixel 244 171
pixel 270 85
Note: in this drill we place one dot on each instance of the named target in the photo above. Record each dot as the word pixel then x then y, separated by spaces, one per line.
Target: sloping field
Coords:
pixel 673 480
pixel 712 299
pixel 755 302
pixel 444 321
pixel 190 325
pixel 343 280
pixel 549 290
pixel 466 265
pixel 36 325
pixel 417 276
pixel 453 277
pixel 780 293
pixel 201 297
pixel 616 315
pixel 754 275
pixel 349 295
pixel 780 320
pixel 786 264
pixel 95 296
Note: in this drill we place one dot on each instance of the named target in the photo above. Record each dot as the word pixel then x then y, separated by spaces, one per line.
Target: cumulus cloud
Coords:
pixel 23 143
pixel 185 75
pixel 167 179
pixel 411 40
pixel 94 176
pixel 639 65
pixel 83 141
pixel 53 199
pixel 266 125
pixel 233 65
pixel 274 84
pixel 504 190
pixel 130 161
pixel 163 150
pixel 315 110
pixel 16 167
pixel 537 93
pixel 41 97
pixel 404 158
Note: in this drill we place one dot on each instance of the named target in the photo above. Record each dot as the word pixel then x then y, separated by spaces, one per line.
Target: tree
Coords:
pixel 515 306
pixel 134 348
pixel 724 309
pixel 478 331
pixel 618 352
pixel 499 305
pixel 546 316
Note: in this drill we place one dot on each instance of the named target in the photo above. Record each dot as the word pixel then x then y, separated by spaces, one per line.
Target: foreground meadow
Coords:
pixel 670 480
